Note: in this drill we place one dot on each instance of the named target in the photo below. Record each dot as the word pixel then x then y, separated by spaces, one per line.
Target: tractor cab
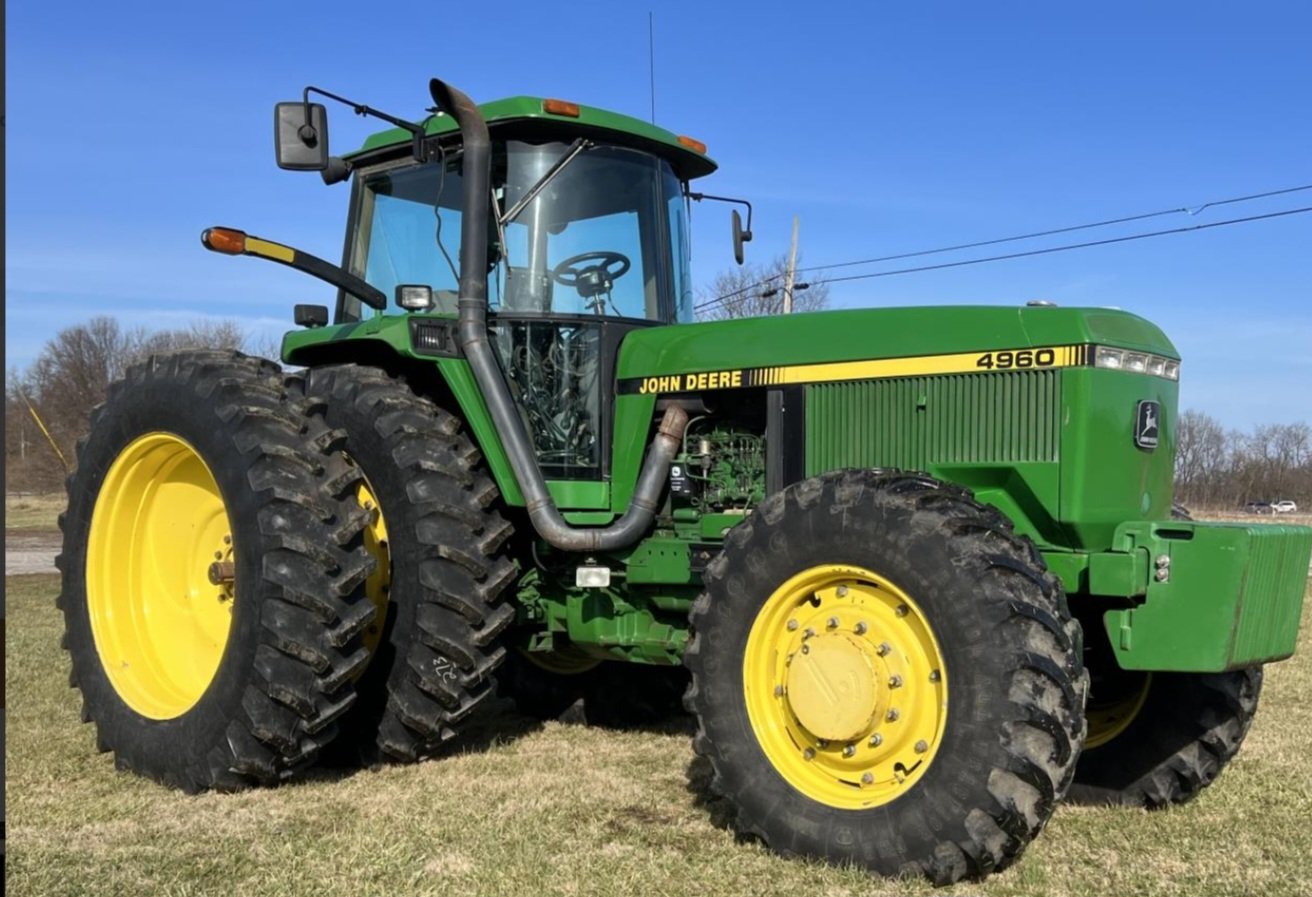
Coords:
pixel 587 240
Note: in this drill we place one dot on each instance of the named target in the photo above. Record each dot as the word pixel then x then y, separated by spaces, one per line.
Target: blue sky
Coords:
pixel 886 127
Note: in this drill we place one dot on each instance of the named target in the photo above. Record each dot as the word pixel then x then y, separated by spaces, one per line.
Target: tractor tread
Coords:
pixel 434 672
pixel 308 537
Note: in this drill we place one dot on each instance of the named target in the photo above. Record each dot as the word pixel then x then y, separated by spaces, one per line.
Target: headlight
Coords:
pixel 1137 362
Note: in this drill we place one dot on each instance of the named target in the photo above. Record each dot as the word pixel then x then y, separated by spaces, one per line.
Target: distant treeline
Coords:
pixel 69 378
pixel 1218 468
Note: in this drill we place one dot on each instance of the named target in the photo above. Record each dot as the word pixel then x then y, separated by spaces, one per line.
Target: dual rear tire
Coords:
pixel 212 574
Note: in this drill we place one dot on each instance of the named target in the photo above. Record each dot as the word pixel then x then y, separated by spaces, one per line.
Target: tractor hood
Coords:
pixel 925 340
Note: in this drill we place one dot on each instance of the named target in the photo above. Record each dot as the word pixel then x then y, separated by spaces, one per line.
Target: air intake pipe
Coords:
pixel 474 341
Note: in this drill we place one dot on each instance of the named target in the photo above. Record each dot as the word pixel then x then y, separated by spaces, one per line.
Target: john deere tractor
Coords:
pixel 913 571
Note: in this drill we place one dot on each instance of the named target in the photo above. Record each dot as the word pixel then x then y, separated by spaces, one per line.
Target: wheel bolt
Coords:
pixel 842 591
pixel 892 715
pixel 227 540
pixel 860 628
pixel 778 691
pixel 876 740
pixel 921 747
pixel 935 675
pixel 867 778
pixel 806 649
pixel 832 622
pixel 792 625
pixel 902 610
pixel 895 681
pixel 808 632
pixel 809 753
pixel 218 555
pixel 883 648
pixel 849 751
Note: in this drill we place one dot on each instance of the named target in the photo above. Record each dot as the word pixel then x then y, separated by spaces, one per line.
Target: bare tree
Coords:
pixel 70 377
pixel 756 290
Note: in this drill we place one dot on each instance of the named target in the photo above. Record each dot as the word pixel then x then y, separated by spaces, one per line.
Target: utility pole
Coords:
pixel 792 268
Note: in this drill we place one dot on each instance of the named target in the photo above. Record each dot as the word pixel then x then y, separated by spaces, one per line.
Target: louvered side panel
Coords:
pixel 913 422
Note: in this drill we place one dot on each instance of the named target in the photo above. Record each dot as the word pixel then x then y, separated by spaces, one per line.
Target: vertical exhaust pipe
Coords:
pixel 474 341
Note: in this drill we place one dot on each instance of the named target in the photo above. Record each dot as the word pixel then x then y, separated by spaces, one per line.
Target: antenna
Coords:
pixel 651 60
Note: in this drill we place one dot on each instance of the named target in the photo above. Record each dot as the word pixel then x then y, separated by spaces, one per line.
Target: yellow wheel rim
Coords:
pixel 160 576
pixel 378 586
pixel 1108 719
pixel 845 685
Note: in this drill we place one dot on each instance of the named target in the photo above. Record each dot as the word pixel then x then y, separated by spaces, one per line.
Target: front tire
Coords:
pixel 213 574
pixel 884 675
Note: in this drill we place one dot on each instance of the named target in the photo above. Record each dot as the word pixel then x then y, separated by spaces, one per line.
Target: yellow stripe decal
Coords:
pixel 1029 358
pixel 277 251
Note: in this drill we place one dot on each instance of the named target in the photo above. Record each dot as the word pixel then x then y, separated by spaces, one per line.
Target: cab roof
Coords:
pixel 591 121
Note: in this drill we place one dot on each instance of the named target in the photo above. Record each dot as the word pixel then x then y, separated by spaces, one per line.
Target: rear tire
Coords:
pixel 441 637
pixel 195 683
pixel 969 610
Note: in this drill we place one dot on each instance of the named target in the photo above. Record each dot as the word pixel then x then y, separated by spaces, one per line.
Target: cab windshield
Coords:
pixel 606 237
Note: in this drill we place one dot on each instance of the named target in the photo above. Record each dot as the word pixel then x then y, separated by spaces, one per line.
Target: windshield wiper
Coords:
pixel 571 154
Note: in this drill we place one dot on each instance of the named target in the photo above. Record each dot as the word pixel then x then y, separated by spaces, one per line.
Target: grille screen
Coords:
pixel 911 422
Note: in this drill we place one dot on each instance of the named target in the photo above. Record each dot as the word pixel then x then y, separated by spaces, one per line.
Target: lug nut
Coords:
pixel 778 691
pixel 792 625
pixel 921 747
pixel 867 778
pixel 849 751
pixel 809 753
pixel 808 632
pixel 935 675
pixel 892 715
pixel 902 610
pixel 227 540
pixel 876 740
pixel 806 649
pixel 860 628
pixel 832 622
pixel 895 681
pixel 883 648
pixel 842 591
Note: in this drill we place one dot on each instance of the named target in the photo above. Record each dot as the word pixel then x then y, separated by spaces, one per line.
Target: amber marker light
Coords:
pixel 560 107
pixel 695 145
pixel 224 239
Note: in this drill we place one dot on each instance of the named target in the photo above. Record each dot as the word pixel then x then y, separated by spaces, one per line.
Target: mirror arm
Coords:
pixel 417 132
pixel 742 202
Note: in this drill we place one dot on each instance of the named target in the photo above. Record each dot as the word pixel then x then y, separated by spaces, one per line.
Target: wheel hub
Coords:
pixel 845 686
pixel 830 686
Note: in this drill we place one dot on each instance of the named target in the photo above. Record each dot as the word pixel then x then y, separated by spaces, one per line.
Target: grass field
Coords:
pixel 29 511
pixel 564 809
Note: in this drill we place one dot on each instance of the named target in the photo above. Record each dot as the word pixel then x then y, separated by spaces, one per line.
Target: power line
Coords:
pixel 1043 233
pixel 1050 249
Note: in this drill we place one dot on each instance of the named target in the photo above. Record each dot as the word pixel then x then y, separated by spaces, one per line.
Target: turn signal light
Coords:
pixel 695 145
pixel 224 239
pixel 560 107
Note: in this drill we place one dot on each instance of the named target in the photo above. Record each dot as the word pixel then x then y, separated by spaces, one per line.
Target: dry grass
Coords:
pixel 34 511
pixel 570 810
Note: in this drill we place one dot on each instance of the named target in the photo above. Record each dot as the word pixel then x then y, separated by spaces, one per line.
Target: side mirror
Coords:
pixel 300 135
pixel 740 237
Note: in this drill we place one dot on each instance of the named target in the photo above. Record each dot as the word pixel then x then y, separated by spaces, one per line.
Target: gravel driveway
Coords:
pixel 31 551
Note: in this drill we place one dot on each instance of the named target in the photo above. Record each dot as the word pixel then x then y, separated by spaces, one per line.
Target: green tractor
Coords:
pixel 913 571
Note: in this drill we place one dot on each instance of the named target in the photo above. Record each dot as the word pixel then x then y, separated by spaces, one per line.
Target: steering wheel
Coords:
pixel 591 273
